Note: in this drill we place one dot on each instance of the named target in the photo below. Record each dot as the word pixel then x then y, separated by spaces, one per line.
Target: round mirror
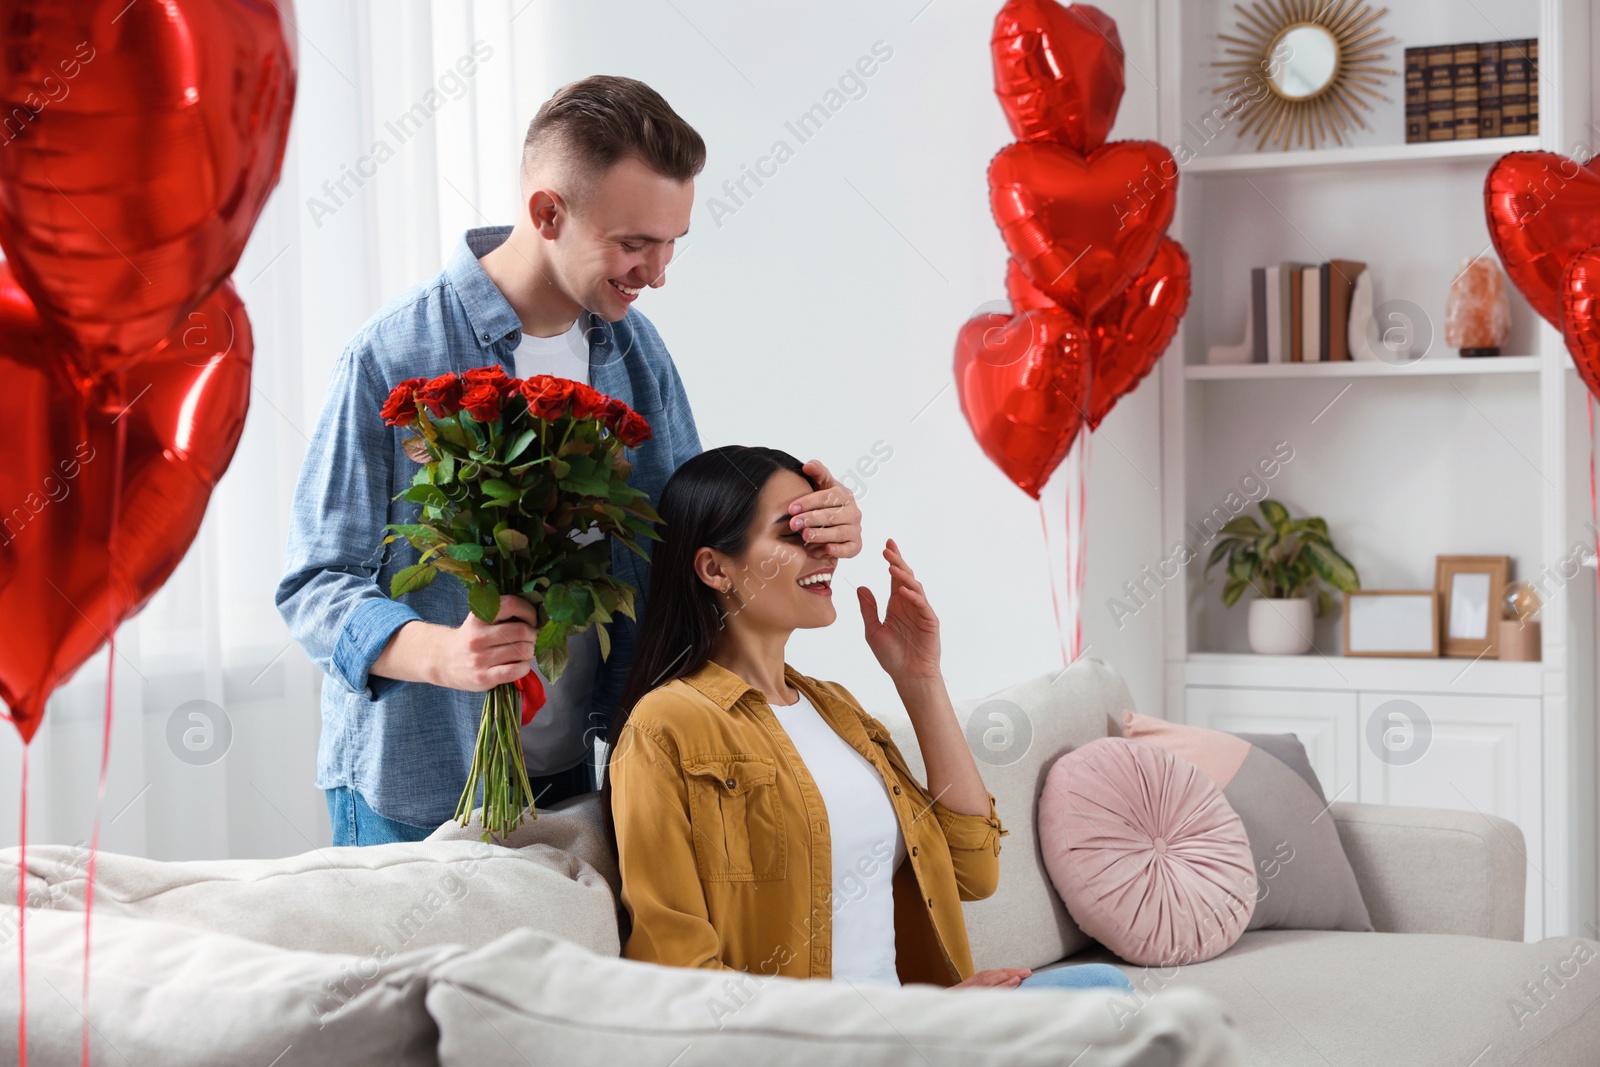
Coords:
pixel 1303 61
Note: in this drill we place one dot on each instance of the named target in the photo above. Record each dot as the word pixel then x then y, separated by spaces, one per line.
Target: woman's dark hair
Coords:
pixel 709 502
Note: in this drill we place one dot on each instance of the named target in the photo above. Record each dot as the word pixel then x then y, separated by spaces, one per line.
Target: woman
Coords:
pixel 764 821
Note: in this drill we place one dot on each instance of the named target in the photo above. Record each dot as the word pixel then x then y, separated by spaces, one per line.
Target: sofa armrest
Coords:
pixel 1436 871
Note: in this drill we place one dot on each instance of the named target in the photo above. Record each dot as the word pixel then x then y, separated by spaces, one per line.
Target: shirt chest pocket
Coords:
pixel 736 818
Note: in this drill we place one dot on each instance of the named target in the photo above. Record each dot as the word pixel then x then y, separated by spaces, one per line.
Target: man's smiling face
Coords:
pixel 620 236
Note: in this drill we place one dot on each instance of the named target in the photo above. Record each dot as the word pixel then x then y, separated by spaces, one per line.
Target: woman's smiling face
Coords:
pixel 775 584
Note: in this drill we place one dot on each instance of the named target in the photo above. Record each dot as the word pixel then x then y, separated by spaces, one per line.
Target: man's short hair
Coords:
pixel 592 124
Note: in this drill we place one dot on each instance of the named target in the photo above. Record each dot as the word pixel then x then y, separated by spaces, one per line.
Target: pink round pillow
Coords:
pixel 1147 855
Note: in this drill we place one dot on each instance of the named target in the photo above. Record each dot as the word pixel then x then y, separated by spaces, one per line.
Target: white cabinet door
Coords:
pixel 1324 722
pixel 1471 753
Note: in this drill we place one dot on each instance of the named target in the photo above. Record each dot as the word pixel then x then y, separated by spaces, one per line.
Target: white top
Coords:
pixel 566 355
pixel 559 736
pixel 867 845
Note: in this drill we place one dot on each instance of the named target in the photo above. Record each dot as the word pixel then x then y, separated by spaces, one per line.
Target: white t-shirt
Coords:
pixel 566 355
pixel 558 737
pixel 867 845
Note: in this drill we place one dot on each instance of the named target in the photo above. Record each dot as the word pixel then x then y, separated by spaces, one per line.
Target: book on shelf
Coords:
pixel 1258 315
pixel 1465 91
pixel 1440 74
pixel 1295 322
pixel 1459 92
pixel 1322 313
pixel 1272 316
pixel 1515 89
pixel 1533 86
pixel 1342 274
pixel 1416 95
pixel 1310 315
pixel 1288 310
pixel 1300 312
pixel 1489 89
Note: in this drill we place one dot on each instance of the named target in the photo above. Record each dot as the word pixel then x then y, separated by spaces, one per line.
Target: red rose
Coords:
pixel 401 407
pixel 479 375
pixel 442 395
pixel 588 402
pixel 492 376
pixel 634 430
pixel 482 402
pixel 615 410
pixel 547 397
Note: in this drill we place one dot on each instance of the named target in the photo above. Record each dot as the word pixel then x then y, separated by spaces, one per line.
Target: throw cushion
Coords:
pixel 530 996
pixel 1145 852
pixel 1305 880
pixel 169 994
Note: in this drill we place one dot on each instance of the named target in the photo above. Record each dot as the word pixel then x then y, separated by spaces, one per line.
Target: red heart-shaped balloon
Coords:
pixel 141 142
pixel 1131 332
pixel 1580 315
pixel 1057 71
pixel 1024 295
pixel 71 568
pixel 1543 209
pixel 1023 381
pixel 1083 227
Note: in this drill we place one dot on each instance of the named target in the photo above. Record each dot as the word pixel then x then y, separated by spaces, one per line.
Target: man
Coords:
pixel 607 183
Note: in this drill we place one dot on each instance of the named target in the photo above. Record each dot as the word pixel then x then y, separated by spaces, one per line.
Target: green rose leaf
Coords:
pixel 500 490
pixel 511 541
pixel 484 600
pixel 428 495
pixel 409 580
pixel 520 445
pixel 559 605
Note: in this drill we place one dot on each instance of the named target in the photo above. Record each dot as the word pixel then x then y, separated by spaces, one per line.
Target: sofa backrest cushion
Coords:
pixel 533 996
pixel 387 898
pixel 1016 735
pixel 181 997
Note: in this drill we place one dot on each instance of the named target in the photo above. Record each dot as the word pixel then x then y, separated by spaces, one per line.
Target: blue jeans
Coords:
pixel 354 823
pixel 1079 976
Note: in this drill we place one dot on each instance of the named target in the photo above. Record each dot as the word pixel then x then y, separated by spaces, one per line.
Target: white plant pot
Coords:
pixel 1280 627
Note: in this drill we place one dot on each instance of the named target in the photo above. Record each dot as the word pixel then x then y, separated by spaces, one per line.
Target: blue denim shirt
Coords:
pixel 407 746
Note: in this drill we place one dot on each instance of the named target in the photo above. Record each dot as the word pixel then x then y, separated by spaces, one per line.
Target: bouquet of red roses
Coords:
pixel 510 470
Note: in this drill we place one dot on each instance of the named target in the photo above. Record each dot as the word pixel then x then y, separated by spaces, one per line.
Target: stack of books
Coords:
pixel 1457 92
pixel 1300 312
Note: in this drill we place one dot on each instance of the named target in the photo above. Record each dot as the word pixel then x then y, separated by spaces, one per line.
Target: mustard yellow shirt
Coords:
pixel 723 838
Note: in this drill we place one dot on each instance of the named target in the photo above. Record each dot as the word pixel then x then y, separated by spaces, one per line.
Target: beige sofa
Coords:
pixel 452 951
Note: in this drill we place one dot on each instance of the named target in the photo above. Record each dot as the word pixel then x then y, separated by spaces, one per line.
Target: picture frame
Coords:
pixel 1392 622
pixel 1471 589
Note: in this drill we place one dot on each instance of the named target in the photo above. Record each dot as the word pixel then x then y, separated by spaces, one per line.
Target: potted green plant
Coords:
pixel 1285 562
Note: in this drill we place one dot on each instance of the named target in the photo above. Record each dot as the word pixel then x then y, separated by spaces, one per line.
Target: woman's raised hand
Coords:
pixel 906 641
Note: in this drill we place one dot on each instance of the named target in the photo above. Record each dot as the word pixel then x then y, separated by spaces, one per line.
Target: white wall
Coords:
pixel 820 316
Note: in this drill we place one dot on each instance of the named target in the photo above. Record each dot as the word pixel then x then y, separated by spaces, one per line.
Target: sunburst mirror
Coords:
pixel 1305 71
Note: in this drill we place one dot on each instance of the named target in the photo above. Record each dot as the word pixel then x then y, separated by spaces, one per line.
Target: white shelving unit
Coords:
pixel 1444 456
pixel 1204 372
pixel 1290 159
